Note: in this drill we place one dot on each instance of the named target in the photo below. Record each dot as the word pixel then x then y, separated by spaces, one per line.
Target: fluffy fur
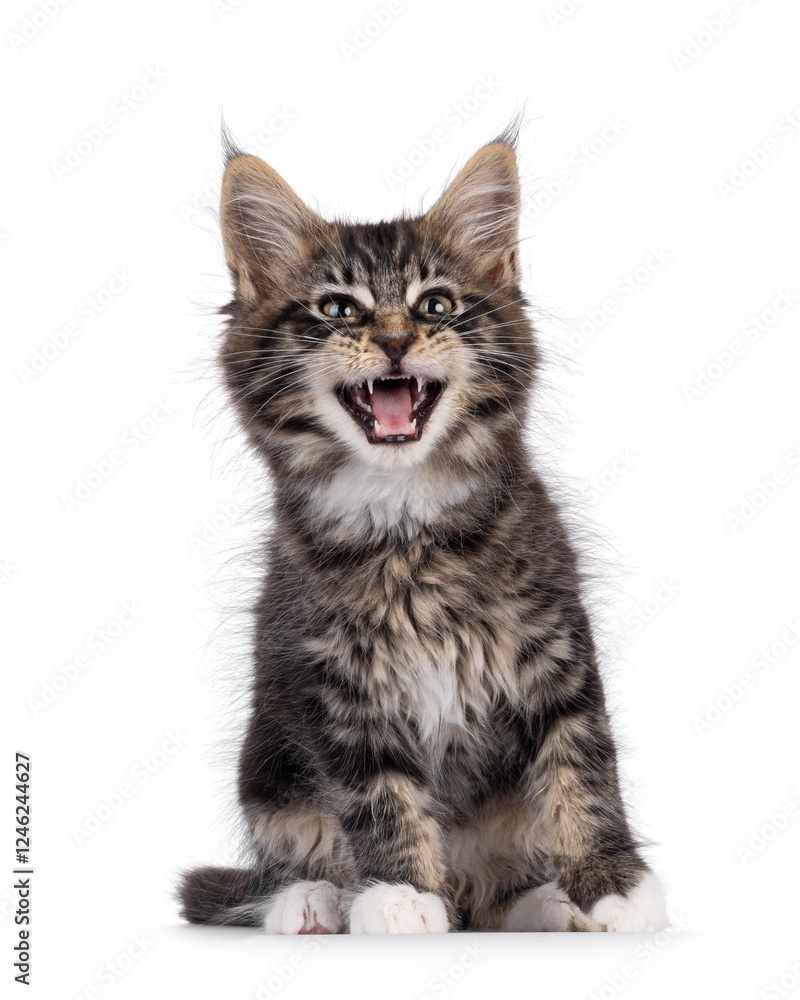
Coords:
pixel 428 747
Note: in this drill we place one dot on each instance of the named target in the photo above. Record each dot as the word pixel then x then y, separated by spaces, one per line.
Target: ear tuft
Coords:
pixel 479 211
pixel 230 147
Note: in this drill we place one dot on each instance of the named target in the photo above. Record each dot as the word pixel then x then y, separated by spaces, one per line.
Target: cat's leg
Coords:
pixel 301 852
pixel 375 832
pixel 600 870
pixel 307 847
pixel 396 845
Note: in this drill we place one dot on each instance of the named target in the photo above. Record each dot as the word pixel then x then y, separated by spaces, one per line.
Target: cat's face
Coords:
pixel 385 343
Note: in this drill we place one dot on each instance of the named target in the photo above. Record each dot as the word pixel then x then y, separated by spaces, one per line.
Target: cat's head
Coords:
pixel 387 344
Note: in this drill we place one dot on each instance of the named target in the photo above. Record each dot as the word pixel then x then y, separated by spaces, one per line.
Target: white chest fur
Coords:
pixel 440 682
pixel 365 497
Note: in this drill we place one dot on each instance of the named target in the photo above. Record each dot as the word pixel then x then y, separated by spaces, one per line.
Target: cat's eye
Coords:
pixel 340 309
pixel 435 305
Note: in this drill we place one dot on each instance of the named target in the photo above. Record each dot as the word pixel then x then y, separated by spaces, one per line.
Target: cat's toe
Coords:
pixel 643 909
pixel 306 908
pixel 397 909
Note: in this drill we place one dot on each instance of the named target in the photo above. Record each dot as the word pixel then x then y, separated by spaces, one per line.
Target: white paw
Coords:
pixel 397 909
pixel 307 908
pixel 547 908
pixel 643 909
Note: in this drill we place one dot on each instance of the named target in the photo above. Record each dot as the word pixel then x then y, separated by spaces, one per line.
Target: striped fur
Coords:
pixel 427 710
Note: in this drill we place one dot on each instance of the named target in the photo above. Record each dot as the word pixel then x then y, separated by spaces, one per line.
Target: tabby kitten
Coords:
pixel 428 747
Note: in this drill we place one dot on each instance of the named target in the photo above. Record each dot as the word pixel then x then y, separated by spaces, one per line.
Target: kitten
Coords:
pixel 428 747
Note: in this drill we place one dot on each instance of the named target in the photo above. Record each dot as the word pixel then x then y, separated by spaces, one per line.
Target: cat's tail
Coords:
pixel 223 896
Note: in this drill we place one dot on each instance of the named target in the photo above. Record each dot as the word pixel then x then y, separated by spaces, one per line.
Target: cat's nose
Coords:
pixel 394 344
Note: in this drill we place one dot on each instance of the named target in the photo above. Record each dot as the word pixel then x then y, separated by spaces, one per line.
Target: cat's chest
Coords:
pixel 426 644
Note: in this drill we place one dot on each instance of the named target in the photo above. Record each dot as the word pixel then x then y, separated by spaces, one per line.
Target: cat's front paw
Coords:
pixel 643 909
pixel 307 908
pixel 397 909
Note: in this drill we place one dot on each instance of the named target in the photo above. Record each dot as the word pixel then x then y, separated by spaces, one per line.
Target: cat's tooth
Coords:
pixel 419 384
pixel 414 425
pixel 369 385
pixel 376 427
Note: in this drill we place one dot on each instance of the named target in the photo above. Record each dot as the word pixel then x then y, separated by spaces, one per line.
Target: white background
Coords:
pixel 690 177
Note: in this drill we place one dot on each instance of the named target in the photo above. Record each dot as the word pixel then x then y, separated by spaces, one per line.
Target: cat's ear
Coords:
pixel 479 211
pixel 266 229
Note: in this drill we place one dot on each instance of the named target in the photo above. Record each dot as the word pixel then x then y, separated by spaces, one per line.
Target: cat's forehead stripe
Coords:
pixel 343 289
pixel 384 265
pixel 401 292
pixel 413 291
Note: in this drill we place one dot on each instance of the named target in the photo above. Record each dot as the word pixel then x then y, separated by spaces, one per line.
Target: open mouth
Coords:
pixel 391 410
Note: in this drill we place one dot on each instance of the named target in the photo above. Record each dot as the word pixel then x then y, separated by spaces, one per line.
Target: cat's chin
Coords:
pixel 393 454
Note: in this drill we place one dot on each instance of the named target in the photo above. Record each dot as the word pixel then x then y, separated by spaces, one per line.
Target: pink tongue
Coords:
pixel 392 409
